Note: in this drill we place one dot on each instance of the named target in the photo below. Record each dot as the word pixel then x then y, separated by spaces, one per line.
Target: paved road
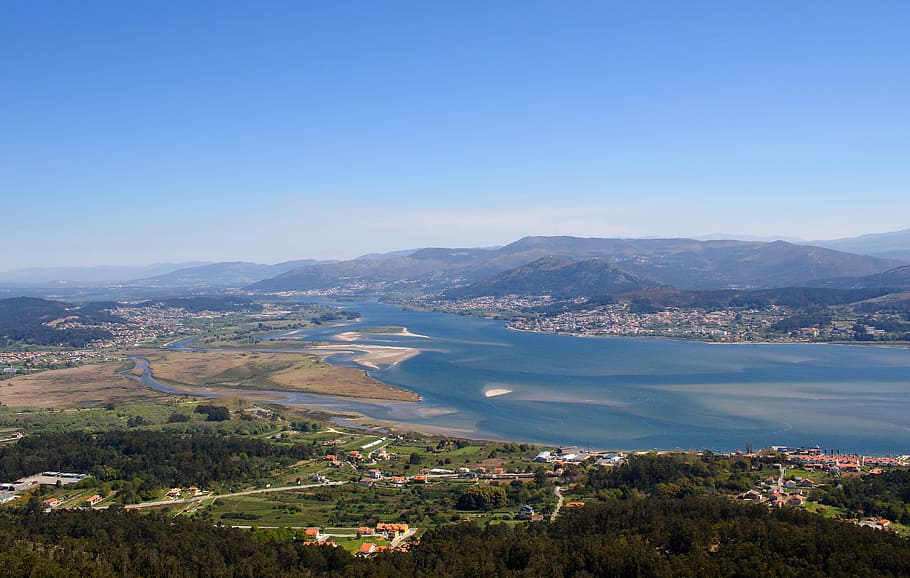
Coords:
pixel 232 495
pixel 397 541
pixel 560 499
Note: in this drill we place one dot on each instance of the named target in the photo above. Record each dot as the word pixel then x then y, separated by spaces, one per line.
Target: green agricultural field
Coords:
pixel 823 510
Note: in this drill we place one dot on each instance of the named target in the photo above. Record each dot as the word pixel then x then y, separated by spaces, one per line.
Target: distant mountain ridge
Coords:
pixel 680 263
pixel 98 274
pixel 897 278
pixel 687 264
pixel 558 277
pixel 893 245
pixel 223 274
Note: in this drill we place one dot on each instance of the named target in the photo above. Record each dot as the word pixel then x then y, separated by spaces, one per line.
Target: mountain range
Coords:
pixel 680 263
pixel 563 266
pixel 558 277
pixel 897 278
pixel 893 245
pixel 224 274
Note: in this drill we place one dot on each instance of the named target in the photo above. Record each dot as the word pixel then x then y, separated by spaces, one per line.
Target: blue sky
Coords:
pixel 138 132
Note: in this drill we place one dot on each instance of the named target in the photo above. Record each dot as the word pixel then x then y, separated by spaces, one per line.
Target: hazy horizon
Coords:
pixel 154 133
pixel 367 253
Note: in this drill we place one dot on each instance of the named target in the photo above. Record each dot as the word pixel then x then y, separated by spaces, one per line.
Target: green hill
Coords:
pixel 560 278
pixel 42 322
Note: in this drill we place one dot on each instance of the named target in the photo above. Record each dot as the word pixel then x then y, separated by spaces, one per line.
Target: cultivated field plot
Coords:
pixel 269 371
pixel 73 387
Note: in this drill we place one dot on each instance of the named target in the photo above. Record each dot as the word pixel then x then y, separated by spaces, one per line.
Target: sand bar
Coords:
pixel 350 336
pixel 372 356
pixel 496 392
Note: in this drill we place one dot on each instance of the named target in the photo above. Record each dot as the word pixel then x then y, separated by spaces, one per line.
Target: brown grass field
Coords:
pixel 74 387
pixel 269 371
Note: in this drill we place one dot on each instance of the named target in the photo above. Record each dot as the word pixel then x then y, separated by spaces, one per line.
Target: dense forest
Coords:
pixel 675 475
pixel 693 536
pixel 886 495
pixel 150 459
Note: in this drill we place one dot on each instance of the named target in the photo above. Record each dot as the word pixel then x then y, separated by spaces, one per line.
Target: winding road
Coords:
pixel 557 491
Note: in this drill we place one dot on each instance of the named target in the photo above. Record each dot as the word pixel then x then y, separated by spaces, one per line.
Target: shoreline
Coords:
pixel 882 344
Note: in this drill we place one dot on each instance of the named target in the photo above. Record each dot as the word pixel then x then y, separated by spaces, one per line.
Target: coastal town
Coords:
pixel 624 318
pixel 134 326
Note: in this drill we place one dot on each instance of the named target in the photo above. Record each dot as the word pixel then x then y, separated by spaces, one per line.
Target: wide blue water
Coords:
pixel 635 393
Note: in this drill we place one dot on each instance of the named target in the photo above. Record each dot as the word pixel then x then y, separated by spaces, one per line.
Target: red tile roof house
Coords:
pixel 796 500
pixel 312 534
pixel 366 549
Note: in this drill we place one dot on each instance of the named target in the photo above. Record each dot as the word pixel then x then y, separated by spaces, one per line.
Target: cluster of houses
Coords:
pixel 558 458
pixel 876 524
pixel 388 530
pixel 54 502
pixel 375 475
pixel 812 459
pixel 175 493
pixel 573 455
pixel 788 494
pixel 358 456
pixel 385 530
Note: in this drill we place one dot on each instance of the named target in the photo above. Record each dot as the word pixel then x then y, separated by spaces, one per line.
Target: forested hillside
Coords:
pixel 43 322
pixel 694 536
pixel 151 459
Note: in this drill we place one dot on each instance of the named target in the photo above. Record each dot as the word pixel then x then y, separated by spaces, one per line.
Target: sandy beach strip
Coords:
pixel 407 333
pixel 350 336
pixel 372 356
